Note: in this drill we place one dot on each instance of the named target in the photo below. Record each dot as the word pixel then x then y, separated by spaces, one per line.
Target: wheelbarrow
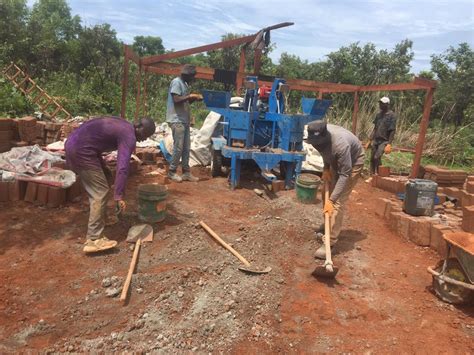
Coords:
pixel 453 277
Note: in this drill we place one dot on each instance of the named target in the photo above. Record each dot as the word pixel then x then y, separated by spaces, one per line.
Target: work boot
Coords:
pixel 96 245
pixel 174 177
pixel 321 252
pixel 189 177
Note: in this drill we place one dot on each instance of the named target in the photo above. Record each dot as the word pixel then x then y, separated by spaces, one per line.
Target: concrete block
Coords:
pixel 468 219
pixel 278 185
pixel 42 195
pixel 420 231
pixel 56 196
pixel 383 171
pixel 393 221
pixel 403 225
pixel 380 205
pixel 16 190
pixel 31 191
pixel 437 241
pixel 4 187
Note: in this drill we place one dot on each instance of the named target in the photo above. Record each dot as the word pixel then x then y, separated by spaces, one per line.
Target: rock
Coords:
pixel 112 292
pixel 180 294
pixel 259 192
pixel 139 290
pixel 107 282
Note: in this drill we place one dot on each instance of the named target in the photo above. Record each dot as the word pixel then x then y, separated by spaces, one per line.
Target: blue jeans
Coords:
pixel 181 146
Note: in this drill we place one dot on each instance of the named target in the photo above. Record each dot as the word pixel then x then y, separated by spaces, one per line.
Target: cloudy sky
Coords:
pixel 321 26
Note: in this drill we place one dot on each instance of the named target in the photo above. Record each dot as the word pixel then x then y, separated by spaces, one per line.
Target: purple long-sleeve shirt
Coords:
pixel 86 144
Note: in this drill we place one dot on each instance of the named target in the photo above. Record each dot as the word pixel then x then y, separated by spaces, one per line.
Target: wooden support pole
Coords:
pixel 124 82
pixel 421 135
pixel 139 86
pixel 145 106
pixel 257 61
pixel 241 72
pixel 355 112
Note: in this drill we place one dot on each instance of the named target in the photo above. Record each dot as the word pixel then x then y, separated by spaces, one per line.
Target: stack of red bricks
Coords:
pixel 27 129
pixel 52 132
pixel 39 194
pixel 148 156
pixel 394 184
pixel 428 231
pixel 6 134
pixel 445 177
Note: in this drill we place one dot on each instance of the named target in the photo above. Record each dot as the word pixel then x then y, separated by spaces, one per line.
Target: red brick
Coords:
pixel 59 165
pixel 400 223
pixel 453 192
pixel 383 170
pixel 6 124
pixel 42 194
pixel 374 181
pixel 16 190
pixel 4 187
pixel 392 206
pixel 56 196
pixel 442 198
pixel 437 241
pixel 467 199
pixel 278 185
pixel 393 219
pixel 31 191
pixel 470 187
pixel 27 128
pixel 420 231
pixel 468 219
pixel 470 178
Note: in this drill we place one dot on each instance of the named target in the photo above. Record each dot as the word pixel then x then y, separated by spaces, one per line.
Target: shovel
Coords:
pixel 328 269
pixel 248 267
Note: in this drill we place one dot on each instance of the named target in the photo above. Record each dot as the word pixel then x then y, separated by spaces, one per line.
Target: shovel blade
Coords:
pixel 252 270
pixel 321 271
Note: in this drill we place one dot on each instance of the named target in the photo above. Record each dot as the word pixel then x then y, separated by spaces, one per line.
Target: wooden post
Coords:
pixel 355 112
pixel 238 84
pixel 139 85
pixel 421 135
pixel 124 81
pixel 145 106
pixel 257 61
pixel 320 95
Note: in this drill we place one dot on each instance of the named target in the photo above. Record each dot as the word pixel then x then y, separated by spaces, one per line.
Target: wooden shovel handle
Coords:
pixel 327 226
pixel 224 244
pixel 133 263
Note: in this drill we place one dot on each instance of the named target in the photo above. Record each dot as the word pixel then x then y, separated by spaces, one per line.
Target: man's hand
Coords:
pixel 387 149
pixel 367 145
pixel 195 97
pixel 328 207
pixel 120 207
pixel 327 175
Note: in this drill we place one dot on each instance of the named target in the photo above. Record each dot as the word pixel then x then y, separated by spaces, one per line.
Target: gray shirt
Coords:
pixel 177 112
pixel 344 153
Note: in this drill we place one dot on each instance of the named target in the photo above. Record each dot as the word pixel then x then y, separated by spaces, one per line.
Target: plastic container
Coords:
pixel 307 187
pixel 420 197
pixel 152 202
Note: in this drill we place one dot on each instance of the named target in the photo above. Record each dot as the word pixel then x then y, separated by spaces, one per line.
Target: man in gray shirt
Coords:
pixel 343 157
pixel 382 136
pixel 178 116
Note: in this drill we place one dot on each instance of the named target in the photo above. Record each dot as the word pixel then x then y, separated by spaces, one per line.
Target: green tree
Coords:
pixel 13 44
pixel 455 93
pixel 148 45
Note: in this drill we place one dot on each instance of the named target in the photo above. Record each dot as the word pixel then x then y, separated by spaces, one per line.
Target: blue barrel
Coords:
pixel 420 197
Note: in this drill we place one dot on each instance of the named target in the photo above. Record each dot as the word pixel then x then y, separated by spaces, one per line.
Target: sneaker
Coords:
pixel 174 177
pixel 94 246
pixel 321 252
pixel 189 177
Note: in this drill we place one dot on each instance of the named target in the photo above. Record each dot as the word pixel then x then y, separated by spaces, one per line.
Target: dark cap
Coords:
pixel 188 69
pixel 317 128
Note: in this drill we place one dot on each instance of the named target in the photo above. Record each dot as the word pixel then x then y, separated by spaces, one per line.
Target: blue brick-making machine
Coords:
pixel 258 129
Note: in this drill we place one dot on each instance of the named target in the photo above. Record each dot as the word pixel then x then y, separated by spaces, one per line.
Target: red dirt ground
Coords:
pixel 381 302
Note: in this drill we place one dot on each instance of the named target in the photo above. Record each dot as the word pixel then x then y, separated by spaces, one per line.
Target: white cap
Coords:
pixel 385 100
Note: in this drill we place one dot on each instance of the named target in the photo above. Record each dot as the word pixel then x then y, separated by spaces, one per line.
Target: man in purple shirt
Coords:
pixel 84 149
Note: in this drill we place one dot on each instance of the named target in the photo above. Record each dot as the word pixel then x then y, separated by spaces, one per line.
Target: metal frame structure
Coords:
pixel 158 64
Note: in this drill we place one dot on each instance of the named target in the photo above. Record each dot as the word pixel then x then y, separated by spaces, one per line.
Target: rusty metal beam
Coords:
pixel 124 81
pixel 241 73
pixel 208 47
pixel 355 112
pixel 421 135
pixel 257 61
pixel 200 74
pixel 133 56
pixel 137 101
pixel 425 82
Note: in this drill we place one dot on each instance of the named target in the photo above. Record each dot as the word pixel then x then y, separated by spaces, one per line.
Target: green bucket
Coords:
pixel 152 202
pixel 307 187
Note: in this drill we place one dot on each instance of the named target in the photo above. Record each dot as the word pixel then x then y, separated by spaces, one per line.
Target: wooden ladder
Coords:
pixel 35 93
